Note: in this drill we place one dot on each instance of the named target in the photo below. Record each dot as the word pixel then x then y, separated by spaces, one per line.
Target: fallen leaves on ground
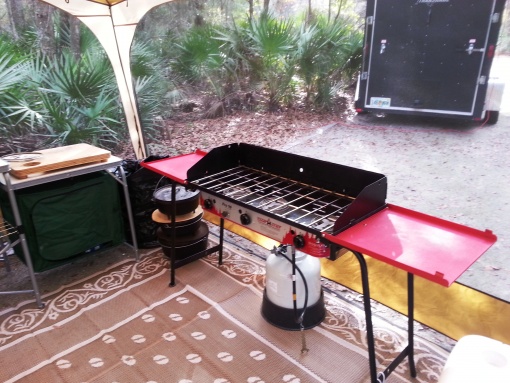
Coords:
pixel 184 134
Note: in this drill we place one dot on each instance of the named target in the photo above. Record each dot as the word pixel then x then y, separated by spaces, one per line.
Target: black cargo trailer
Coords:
pixel 430 57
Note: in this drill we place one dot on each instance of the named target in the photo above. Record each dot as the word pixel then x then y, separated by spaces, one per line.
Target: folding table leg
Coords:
pixel 23 240
pixel 368 317
pixel 409 350
pixel 129 211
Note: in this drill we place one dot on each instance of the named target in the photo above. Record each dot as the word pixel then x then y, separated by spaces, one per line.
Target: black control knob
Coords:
pixel 245 219
pixel 208 204
pixel 299 241
pixel 224 213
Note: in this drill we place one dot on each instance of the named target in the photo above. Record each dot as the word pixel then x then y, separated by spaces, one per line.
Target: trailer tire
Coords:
pixel 493 117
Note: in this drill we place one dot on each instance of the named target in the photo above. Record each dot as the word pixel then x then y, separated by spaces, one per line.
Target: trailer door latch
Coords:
pixel 471 47
pixel 383 47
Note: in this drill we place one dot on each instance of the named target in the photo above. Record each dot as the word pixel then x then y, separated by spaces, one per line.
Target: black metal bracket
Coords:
pixel 409 350
pixel 176 263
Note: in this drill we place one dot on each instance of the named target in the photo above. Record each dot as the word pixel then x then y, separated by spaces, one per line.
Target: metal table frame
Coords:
pixel 10 185
pixel 176 263
pixel 408 351
pixel 408 240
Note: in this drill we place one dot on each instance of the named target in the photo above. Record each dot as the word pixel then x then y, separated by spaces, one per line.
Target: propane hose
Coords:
pixel 298 318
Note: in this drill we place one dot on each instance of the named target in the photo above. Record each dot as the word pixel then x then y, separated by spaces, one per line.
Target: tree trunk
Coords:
pixel 309 13
pixel 74 28
pixel 44 24
pixel 198 20
pixel 250 9
pixel 266 6
pixel 16 17
pixel 339 11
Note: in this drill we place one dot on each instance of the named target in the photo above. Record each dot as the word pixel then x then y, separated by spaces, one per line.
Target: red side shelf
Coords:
pixel 175 168
pixel 429 247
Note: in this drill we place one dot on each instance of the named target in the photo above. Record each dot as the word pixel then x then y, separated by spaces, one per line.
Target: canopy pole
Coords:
pixel 97 15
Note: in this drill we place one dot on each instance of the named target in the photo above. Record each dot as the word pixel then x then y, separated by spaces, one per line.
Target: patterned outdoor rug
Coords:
pixel 127 325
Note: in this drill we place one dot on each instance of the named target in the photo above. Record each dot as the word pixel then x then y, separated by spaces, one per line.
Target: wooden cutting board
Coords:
pixel 59 158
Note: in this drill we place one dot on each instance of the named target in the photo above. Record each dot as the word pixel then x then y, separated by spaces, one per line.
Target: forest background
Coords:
pixel 204 72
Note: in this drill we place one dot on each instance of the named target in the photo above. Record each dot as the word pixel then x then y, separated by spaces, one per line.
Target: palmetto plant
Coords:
pixel 325 53
pixel 62 101
pixel 69 100
pixel 79 100
pixel 152 83
pixel 13 90
pixel 197 55
pixel 271 42
pixel 11 75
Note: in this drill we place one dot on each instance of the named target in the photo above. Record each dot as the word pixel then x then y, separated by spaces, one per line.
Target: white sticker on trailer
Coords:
pixel 380 102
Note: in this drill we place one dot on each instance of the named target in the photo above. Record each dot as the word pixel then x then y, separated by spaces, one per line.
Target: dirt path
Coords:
pixel 450 169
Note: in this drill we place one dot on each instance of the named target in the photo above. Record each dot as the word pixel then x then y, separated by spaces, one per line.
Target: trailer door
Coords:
pixel 427 54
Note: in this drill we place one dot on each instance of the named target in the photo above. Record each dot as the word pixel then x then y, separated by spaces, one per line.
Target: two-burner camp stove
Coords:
pixel 288 198
pixel 320 207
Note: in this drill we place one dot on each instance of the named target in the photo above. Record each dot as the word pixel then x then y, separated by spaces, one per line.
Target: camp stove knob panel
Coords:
pixel 263 224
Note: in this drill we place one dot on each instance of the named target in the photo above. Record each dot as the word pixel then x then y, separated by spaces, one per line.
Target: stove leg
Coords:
pixel 368 317
pixel 410 323
pixel 172 249
pixel 172 271
pixel 409 350
pixel 220 250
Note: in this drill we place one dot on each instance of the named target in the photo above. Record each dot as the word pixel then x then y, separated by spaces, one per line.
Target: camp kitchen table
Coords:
pixel 422 245
pixel 11 184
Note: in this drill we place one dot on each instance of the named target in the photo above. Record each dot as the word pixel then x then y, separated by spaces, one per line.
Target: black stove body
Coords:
pixel 290 198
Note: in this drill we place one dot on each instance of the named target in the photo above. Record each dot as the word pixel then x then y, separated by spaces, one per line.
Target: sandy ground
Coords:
pixel 451 169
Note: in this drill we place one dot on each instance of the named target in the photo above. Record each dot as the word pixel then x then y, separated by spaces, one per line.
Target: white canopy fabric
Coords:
pixel 114 23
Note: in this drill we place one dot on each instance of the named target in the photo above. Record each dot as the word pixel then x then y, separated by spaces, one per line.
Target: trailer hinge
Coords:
pixel 370 20
pixel 482 80
pixel 495 18
pixel 364 75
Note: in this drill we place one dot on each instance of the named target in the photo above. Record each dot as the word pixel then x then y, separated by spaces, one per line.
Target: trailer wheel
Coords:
pixel 493 117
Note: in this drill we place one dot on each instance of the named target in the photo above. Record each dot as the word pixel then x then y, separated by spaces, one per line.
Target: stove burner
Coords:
pixel 305 205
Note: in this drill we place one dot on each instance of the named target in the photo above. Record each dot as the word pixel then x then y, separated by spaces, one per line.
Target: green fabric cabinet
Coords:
pixel 68 218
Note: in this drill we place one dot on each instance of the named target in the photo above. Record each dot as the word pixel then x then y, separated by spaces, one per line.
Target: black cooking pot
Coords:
pixel 187 245
pixel 185 224
pixel 185 200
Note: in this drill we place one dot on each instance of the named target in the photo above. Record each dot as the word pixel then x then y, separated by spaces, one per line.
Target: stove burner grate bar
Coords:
pixel 273 200
pixel 227 174
pixel 306 205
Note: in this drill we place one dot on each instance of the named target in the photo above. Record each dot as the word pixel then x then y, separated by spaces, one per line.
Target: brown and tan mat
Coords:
pixel 127 325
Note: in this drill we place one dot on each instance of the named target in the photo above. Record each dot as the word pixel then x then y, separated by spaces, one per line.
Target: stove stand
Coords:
pixel 176 263
pixel 320 208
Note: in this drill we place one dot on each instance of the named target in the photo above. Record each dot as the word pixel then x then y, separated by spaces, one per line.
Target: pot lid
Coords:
pixel 159 217
pixel 181 193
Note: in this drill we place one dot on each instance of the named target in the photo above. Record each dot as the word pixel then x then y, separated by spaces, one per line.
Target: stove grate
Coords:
pixel 303 204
